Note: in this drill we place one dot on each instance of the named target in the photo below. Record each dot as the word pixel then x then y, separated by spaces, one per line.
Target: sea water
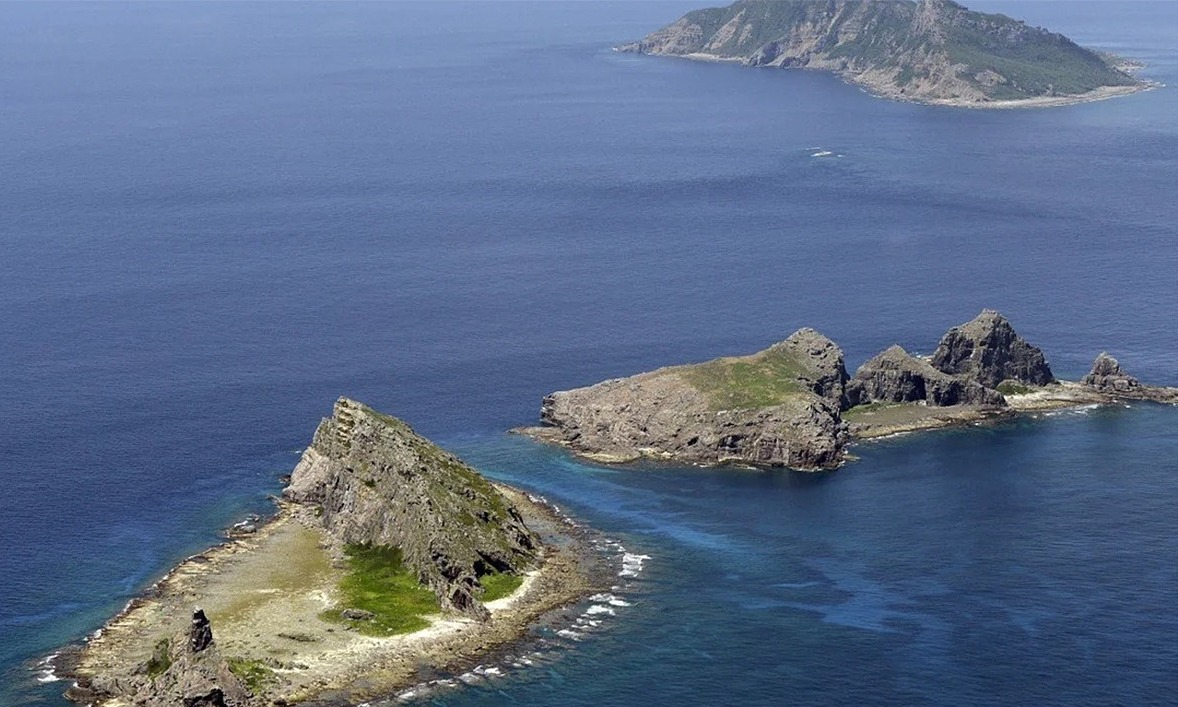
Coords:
pixel 216 218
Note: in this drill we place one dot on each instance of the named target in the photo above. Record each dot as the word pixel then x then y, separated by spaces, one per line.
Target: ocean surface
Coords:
pixel 217 218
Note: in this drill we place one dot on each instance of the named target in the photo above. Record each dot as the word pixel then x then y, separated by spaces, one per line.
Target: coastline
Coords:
pixel 264 591
pixel 886 91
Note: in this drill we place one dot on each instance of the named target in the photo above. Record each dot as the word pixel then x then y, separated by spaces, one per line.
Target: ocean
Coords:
pixel 216 218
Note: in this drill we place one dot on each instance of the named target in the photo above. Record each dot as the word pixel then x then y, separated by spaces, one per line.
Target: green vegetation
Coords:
pixel 768 378
pixel 499 585
pixel 1013 388
pixel 379 583
pixel 254 674
pixel 160 661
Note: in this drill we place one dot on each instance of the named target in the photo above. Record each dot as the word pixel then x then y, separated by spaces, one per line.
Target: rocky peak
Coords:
pixel 822 368
pixel 988 350
pixel 376 482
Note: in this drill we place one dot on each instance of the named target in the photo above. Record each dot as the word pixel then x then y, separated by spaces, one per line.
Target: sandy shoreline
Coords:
pixel 263 593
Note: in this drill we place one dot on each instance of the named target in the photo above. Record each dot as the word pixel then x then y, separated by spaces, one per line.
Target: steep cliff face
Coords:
pixel 989 351
pixel 379 483
pixel 896 376
pixel 933 50
pixel 779 407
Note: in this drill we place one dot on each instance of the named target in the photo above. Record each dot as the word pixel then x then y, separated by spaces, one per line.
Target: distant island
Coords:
pixel 794 405
pixel 389 560
pixel 931 51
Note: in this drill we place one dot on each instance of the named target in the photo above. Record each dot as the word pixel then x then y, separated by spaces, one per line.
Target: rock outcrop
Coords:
pixel 988 350
pixel 186 670
pixel 1108 378
pixel 778 407
pixel 934 50
pixel 376 482
pixel 896 376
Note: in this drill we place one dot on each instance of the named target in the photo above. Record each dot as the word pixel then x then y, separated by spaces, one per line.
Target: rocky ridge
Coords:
pixel 793 404
pixel 931 51
pixel 374 481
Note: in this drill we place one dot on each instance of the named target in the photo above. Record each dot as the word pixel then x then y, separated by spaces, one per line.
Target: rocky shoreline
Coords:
pixel 794 405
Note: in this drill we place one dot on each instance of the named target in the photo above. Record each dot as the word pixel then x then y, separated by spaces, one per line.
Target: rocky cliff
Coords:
pixel 932 50
pixel 374 481
pixel 778 407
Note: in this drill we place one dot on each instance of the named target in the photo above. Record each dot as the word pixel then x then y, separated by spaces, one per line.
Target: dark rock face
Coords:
pixel 1107 376
pixel 200 635
pixel 379 483
pixel 895 376
pixel 988 351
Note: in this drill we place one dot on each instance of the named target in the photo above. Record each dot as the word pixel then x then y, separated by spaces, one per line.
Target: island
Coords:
pixel 794 405
pixel 388 559
pixel 931 51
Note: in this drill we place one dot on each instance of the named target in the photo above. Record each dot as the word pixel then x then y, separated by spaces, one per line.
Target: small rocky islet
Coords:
pixel 794 404
pixel 927 51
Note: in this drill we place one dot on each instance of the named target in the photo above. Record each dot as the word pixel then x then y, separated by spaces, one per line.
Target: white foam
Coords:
pixel 823 153
pixel 569 633
pixel 599 609
pixel 632 564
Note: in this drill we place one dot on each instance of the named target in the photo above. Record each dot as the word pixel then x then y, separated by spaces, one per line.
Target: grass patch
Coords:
pixel 768 378
pixel 254 674
pixel 499 585
pixel 1013 388
pixel 378 582
pixel 160 661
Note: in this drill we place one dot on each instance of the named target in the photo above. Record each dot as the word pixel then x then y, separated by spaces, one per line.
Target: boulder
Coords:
pixel 1107 377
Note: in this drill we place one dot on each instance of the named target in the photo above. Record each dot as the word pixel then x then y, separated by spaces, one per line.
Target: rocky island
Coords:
pixel 794 405
pixel 389 559
pixel 931 51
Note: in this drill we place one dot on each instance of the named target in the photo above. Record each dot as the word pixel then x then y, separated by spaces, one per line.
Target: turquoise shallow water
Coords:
pixel 217 218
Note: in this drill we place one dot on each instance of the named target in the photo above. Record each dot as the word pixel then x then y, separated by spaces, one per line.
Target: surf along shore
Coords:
pixel 264 593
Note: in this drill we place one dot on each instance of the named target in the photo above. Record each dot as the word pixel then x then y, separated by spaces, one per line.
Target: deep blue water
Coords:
pixel 216 218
